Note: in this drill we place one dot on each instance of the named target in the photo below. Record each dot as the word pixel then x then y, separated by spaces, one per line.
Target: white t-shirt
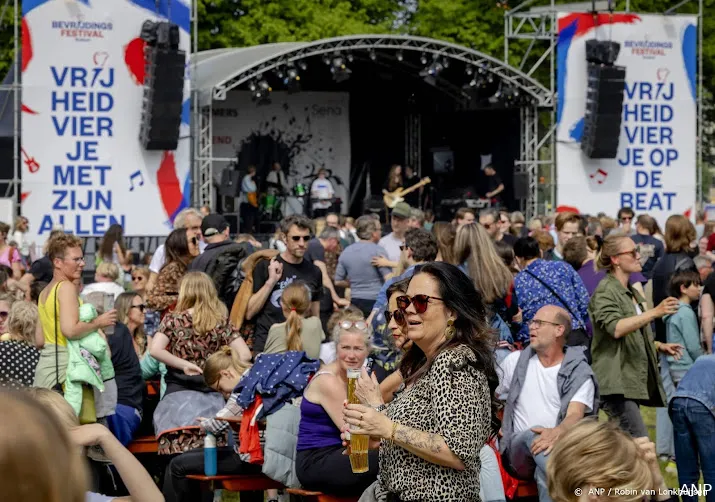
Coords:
pixel 159 257
pixel 392 246
pixel 539 402
pixel 322 189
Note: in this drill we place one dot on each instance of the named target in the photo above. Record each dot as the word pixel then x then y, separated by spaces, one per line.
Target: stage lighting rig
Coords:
pixel 431 72
pixel 481 79
pixel 373 55
pixel 506 95
pixel 290 77
pixel 400 56
pixel 261 92
pixel 339 70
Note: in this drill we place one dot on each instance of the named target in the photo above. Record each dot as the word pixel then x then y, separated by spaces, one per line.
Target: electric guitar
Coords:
pixel 391 199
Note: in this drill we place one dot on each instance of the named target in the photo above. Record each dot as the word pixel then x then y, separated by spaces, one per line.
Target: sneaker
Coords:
pixel 671 468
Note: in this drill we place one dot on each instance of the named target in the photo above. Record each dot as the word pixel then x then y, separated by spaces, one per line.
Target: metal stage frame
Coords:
pixel 382 46
pixel 538 25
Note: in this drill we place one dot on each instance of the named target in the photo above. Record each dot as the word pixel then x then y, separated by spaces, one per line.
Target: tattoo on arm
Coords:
pixel 419 439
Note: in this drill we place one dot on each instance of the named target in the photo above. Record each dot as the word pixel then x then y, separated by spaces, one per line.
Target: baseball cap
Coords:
pixel 213 224
pixel 402 210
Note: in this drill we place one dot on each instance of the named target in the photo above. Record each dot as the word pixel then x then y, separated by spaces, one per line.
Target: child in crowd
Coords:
pixel 298 332
pixel 682 327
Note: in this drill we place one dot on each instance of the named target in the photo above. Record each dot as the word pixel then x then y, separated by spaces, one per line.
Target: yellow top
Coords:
pixel 49 311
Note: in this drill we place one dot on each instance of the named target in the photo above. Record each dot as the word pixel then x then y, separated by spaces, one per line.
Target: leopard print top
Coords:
pixel 452 400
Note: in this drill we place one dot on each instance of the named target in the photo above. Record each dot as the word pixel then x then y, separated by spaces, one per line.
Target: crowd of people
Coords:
pixel 487 346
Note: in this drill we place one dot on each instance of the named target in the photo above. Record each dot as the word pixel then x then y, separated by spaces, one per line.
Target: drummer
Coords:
pixel 321 194
pixel 276 181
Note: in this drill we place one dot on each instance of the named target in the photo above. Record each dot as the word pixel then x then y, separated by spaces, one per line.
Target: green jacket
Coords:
pixel 84 353
pixel 626 366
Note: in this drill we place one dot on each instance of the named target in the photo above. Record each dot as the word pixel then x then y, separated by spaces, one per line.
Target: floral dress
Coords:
pixel 452 400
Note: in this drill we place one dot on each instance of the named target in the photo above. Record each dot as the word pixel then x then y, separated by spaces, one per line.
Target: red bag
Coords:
pixel 510 483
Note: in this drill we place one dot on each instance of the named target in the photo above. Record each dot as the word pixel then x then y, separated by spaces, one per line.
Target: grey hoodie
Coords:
pixel 574 372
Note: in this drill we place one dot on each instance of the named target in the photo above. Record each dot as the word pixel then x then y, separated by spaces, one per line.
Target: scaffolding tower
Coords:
pixel 530 38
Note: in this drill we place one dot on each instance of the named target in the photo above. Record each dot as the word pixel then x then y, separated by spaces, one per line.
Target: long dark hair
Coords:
pixel 115 233
pixel 471 329
pixel 176 248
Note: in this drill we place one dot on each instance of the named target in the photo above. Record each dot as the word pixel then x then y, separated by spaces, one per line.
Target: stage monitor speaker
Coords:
pixel 604 105
pixel 163 98
pixel 521 186
pixel 230 183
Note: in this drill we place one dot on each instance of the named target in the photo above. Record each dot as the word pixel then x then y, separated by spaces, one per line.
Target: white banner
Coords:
pixel 83 167
pixel 655 170
pixel 305 132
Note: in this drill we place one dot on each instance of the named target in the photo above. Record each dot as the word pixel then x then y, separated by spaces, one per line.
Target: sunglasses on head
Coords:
pixel 296 238
pixel 398 315
pixel 141 307
pixel 359 325
pixel 419 301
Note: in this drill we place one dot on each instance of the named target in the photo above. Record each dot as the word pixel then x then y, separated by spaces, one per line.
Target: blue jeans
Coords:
pixel 694 435
pixel 491 488
pixel 663 427
pixel 524 465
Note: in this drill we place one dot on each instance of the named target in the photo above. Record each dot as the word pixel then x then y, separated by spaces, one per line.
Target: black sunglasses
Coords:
pixel 297 238
pixel 141 307
pixel 419 301
pixel 398 315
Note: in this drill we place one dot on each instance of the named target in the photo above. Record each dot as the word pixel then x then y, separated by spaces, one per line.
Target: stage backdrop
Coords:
pixel 655 171
pixel 304 131
pixel 83 167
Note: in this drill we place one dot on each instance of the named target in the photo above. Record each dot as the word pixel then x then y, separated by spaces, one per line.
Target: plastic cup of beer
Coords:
pixel 358 442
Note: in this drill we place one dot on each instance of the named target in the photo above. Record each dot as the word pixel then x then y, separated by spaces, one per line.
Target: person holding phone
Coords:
pixel 270 278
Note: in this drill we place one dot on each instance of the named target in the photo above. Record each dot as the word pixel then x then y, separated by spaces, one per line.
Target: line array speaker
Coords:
pixel 604 104
pixel 163 91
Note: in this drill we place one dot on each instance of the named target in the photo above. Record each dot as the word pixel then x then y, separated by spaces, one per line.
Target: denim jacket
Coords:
pixel 699 383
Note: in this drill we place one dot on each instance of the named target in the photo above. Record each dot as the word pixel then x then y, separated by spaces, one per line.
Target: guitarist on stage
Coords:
pixel 394 179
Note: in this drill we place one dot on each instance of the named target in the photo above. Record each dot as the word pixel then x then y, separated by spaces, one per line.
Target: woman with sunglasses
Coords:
pixel 128 336
pixel 624 355
pixel 434 430
pixel 320 464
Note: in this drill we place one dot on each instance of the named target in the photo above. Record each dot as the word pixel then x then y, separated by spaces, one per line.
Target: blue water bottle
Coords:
pixel 210 455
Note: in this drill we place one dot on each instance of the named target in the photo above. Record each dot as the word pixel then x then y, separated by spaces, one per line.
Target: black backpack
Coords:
pixel 225 270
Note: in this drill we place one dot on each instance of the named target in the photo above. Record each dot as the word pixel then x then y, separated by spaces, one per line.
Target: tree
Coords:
pixel 241 23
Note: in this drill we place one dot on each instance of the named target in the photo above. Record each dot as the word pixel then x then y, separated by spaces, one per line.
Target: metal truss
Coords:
pixel 530 43
pixel 413 142
pixel 203 157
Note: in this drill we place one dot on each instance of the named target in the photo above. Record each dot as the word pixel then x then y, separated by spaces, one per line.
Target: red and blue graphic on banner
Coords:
pixel 82 76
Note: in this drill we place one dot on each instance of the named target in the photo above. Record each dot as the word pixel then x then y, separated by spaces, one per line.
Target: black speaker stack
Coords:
pixel 163 86
pixel 604 100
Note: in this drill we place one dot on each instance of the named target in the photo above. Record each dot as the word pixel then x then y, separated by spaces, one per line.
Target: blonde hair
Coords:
pixel 609 249
pixel 143 271
pixel 349 313
pixel 599 455
pixel 320 224
pixel 38 460
pixel 488 272
pixel 226 358
pixel 198 292
pixel 109 270
pixel 57 404
pixel 23 320
pixel 123 305
pixel 59 244
pixel 296 299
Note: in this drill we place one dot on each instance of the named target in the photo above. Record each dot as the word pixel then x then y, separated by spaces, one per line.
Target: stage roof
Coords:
pixel 220 70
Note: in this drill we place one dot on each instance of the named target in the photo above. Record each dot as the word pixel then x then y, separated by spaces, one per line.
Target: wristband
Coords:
pixel 381 408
